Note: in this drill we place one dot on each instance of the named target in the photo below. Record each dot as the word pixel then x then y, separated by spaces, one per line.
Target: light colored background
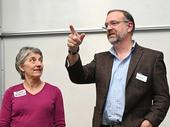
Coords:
pixel 34 16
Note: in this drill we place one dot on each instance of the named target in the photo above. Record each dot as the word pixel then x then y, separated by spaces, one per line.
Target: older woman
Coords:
pixel 33 103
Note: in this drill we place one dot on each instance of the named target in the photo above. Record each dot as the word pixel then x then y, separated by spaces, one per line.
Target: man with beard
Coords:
pixel 131 82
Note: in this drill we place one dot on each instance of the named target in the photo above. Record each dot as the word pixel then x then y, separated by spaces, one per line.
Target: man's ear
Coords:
pixel 130 26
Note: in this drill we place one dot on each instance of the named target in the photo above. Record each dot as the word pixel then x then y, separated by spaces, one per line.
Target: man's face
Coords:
pixel 116 27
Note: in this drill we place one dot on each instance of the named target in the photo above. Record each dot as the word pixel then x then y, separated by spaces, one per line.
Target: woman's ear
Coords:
pixel 21 67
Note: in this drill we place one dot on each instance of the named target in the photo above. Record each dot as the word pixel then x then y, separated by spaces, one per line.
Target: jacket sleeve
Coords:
pixel 81 74
pixel 161 98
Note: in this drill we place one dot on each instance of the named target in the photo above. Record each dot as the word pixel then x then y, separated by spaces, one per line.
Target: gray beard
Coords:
pixel 114 41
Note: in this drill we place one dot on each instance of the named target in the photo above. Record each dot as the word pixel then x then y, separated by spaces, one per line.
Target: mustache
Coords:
pixel 111 33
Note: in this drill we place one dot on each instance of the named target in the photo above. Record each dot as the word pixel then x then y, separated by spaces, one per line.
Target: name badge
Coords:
pixel 141 77
pixel 20 93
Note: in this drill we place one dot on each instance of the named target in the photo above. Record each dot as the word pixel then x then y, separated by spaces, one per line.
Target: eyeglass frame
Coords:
pixel 114 23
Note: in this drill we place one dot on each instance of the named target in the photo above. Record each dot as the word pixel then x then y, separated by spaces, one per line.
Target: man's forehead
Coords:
pixel 115 15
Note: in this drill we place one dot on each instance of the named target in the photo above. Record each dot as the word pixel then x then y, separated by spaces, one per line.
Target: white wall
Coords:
pixel 38 15
pixel 1 54
pixel 19 16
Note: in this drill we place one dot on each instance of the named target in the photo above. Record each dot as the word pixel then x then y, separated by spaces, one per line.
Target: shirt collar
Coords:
pixel 112 50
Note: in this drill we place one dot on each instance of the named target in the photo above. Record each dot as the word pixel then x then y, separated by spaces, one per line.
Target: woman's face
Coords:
pixel 33 66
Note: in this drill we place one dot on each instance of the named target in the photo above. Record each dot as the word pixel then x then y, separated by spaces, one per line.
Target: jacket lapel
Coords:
pixel 109 65
pixel 134 61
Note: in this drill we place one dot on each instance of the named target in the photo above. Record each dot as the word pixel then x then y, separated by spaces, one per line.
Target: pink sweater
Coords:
pixel 21 109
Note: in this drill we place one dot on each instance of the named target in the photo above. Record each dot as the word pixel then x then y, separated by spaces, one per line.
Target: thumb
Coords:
pixel 82 36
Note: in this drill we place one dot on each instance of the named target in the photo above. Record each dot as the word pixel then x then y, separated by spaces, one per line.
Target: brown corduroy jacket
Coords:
pixel 144 98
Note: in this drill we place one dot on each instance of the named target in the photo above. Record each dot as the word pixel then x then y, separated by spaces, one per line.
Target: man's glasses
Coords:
pixel 114 23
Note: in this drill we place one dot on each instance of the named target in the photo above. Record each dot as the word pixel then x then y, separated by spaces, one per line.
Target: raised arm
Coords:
pixel 74 40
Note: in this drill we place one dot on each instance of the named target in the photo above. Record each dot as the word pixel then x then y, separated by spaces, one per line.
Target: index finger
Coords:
pixel 72 30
